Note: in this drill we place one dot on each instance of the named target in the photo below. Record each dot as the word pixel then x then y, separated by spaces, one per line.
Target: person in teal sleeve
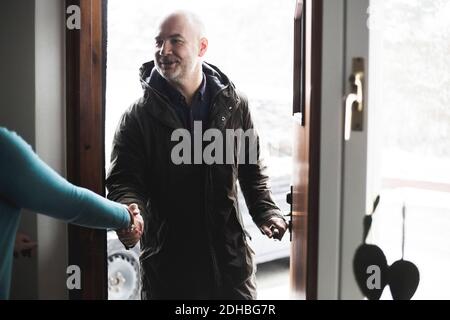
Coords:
pixel 27 182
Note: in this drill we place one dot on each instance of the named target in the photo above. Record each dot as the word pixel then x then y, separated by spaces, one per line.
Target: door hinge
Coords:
pixel 289 215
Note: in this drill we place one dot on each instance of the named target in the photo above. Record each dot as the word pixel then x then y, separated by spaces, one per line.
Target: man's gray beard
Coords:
pixel 177 79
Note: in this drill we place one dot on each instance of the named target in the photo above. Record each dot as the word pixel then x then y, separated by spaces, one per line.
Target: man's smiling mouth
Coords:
pixel 168 64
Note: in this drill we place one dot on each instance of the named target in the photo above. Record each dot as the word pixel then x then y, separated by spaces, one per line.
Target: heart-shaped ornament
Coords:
pixel 404 279
pixel 371 270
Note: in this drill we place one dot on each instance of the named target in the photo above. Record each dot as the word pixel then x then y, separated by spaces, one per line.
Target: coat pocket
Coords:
pixel 155 231
pixel 238 216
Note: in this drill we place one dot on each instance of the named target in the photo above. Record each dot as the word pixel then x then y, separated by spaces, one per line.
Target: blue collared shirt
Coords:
pixel 200 106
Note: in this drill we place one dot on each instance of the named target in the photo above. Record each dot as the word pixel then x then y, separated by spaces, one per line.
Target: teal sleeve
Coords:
pixel 9 222
pixel 27 182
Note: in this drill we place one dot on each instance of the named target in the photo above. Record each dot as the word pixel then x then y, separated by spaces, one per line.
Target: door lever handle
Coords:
pixel 354 102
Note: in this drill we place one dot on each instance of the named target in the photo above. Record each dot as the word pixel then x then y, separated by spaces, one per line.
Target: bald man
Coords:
pixel 194 245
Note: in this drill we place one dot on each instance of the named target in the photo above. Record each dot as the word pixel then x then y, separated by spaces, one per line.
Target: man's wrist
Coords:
pixel 131 225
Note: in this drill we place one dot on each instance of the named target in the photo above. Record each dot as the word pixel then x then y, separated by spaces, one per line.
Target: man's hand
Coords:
pixel 130 236
pixel 23 245
pixel 274 228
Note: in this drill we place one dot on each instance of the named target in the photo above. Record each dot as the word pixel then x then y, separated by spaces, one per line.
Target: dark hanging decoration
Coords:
pixel 373 273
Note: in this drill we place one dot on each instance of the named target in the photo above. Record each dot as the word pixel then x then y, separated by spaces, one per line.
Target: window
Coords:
pixel 410 91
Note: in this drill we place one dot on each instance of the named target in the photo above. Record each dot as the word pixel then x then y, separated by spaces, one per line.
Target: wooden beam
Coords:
pixel 85 140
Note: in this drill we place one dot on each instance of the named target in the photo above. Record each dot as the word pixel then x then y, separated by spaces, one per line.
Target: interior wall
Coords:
pixel 17 113
pixel 17 67
pixel 50 139
pixel 33 104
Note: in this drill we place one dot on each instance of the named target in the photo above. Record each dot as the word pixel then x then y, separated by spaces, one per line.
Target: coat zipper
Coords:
pixel 208 213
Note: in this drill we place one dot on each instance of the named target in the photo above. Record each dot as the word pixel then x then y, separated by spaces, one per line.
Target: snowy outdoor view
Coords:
pixel 409 91
pixel 251 41
pixel 252 44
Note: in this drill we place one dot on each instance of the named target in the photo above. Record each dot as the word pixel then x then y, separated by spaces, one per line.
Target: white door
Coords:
pixel 355 147
pixel 401 150
pixel 343 172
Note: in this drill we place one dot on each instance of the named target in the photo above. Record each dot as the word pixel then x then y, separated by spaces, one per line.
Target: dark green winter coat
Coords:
pixel 194 244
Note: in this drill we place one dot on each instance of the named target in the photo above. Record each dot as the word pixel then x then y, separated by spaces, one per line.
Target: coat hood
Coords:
pixel 212 72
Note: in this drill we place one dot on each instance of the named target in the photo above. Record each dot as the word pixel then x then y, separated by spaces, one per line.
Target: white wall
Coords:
pixel 50 139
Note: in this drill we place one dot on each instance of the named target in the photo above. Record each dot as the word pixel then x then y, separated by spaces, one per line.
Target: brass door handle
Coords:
pixel 354 102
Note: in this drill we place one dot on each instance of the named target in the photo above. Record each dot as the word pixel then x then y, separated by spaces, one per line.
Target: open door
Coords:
pixel 306 148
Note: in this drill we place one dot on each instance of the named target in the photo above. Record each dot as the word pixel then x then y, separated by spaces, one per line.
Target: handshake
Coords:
pixel 131 235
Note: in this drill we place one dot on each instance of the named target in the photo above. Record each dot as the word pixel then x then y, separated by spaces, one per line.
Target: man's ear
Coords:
pixel 203 47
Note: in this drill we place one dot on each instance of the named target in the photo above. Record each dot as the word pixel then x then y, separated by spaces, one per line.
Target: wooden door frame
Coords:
pixel 306 186
pixel 85 114
pixel 85 94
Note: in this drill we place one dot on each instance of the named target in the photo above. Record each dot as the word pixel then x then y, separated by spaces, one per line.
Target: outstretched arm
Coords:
pixel 126 180
pixel 27 182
